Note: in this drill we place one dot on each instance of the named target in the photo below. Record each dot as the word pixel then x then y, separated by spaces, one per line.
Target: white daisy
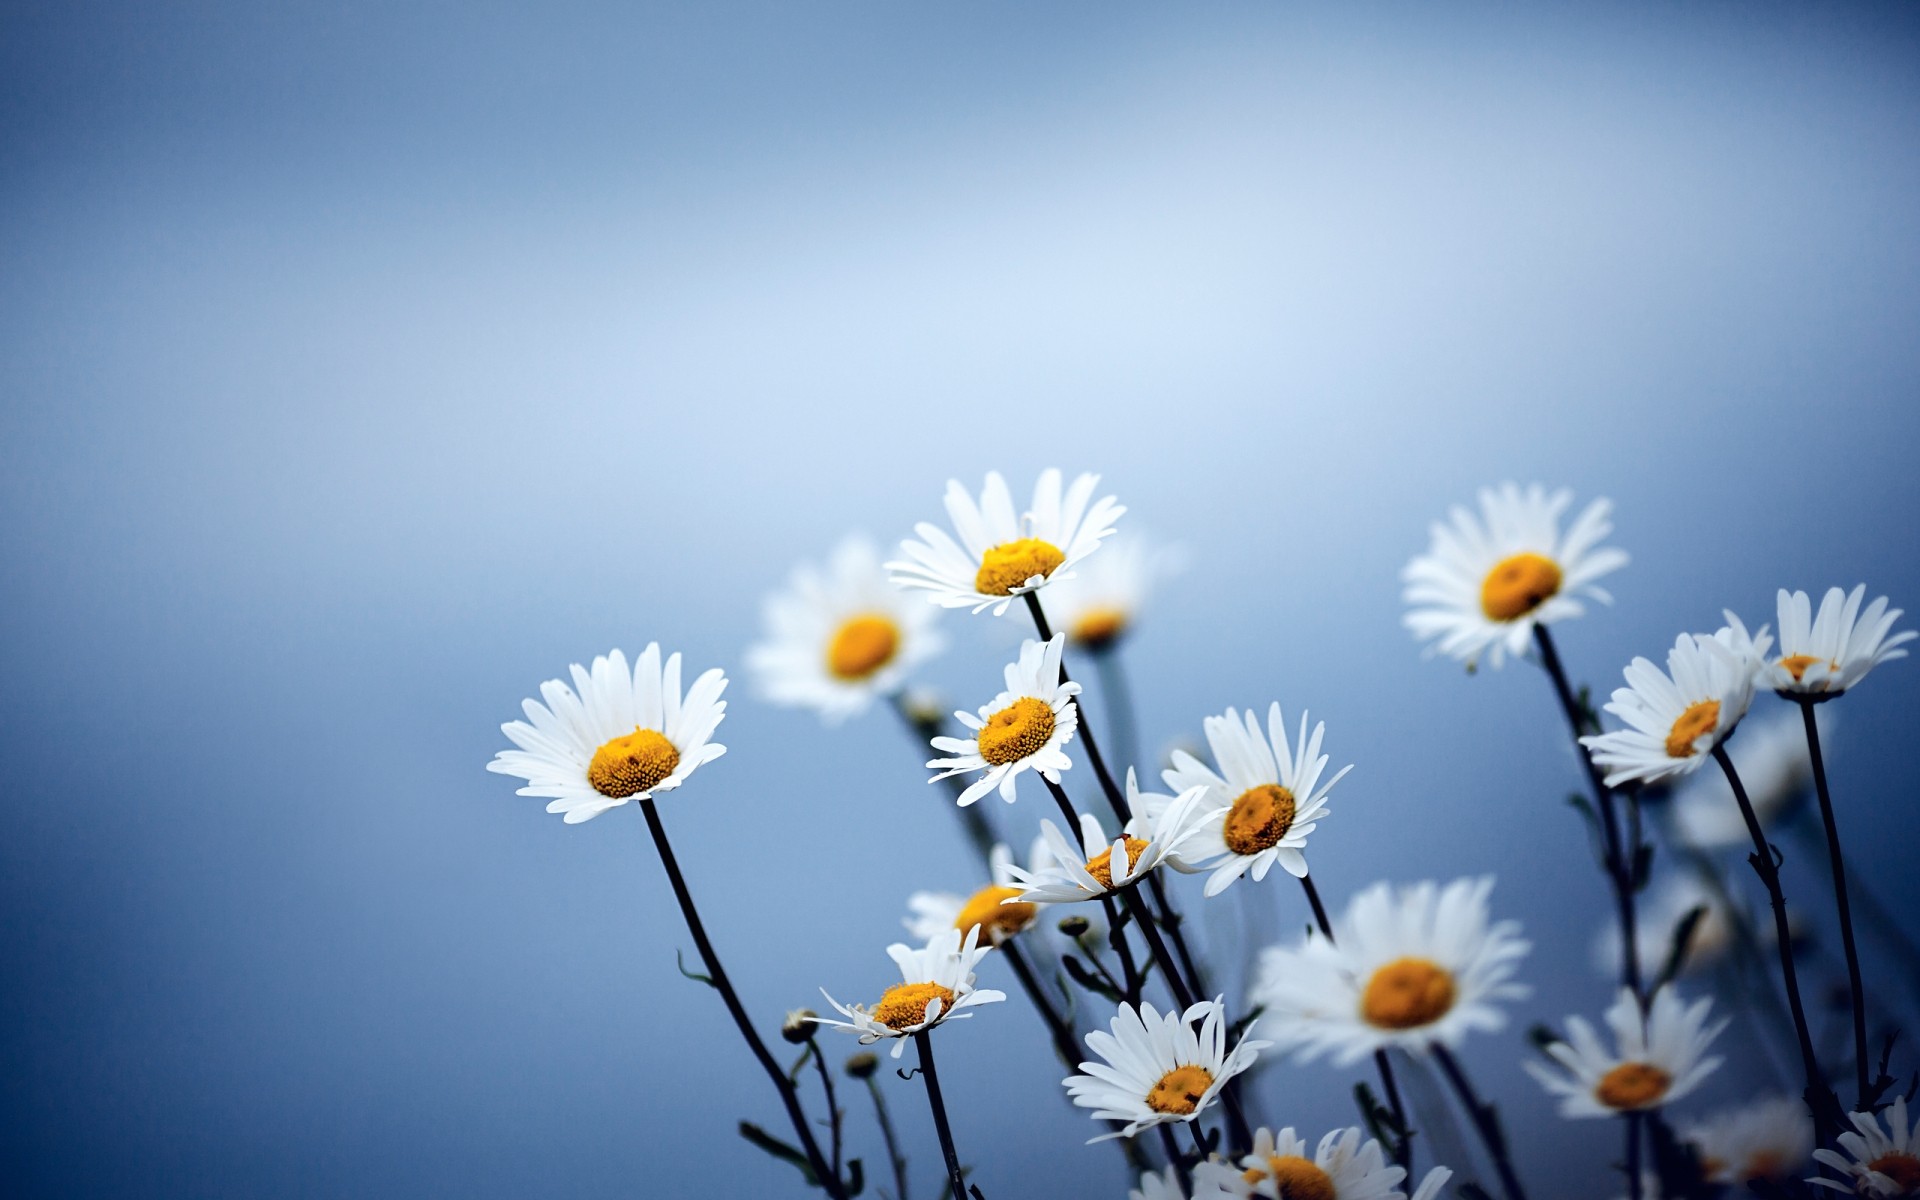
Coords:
pixel 1026 728
pixel 1001 555
pixel 1661 910
pixel 1660 1058
pixel 1675 718
pixel 933 913
pixel 1268 802
pixel 1064 874
pixel 1768 1139
pixel 1826 654
pixel 1485 582
pixel 1878 1162
pixel 938 986
pixel 622 735
pixel 837 638
pixel 1100 603
pixel 1345 1166
pixel 1163 1185
pixel 1406 968
pixel 1159 1068
pixel 1775 768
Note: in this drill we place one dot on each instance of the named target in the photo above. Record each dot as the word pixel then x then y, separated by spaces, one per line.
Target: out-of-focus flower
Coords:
pixel 1825 654
pixel 1659 1057
pixel 932 913
pixel 1661 910
pixel 1100 604
pixel 1775 768
pixel 1771 1138
pixel 1026 728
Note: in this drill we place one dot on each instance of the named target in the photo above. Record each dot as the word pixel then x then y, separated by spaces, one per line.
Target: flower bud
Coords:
pixel 863 1064
pixel 798 1027
pixel 1074 927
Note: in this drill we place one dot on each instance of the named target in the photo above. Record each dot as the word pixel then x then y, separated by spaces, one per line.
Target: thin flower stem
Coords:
pixel 894 1156
pixel 1064 1043
pixel 979 830
pixel 924 1043
pixel 1635 1185
pixel 1484 1120
pixel 789 1097
pixel 1119 700
pixel 1115 937
pixel 1858 998
pixel 1175 1159
pixel 1171 922
pixel 1130 896
pixel 833 1105
pixel 1116 799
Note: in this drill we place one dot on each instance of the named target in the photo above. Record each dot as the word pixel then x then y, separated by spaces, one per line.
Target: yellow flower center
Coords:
pixel 632 763
pixel 997 921
pixel 905 1004
pixel 862 645
pixel 1294 1178
pixel 1407 993
pixel 1009 565
pixel 1518 585
pixel 1179 1090
pixel 1099 626
pixel 1632 1085
pixel 1100 866
pixel 1258 819
pixel 1903 1169
pixel 1688 726
pixel 1016 731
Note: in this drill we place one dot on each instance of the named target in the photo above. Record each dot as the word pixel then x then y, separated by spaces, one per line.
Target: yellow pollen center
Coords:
pixel 1258 819
pixel 632 763
pixel 1518 585
pixel 997 921
pixel 1903 1169
pixel 862 645
pixel 1016 731
pixel 1632 1085
pixel 1179 1090
pixel 1100 866
pixel 1009 565
pixel 905 1005
pixel 1407 993
pixel 1294 1178
pixel 1099 626
pixel 1688 726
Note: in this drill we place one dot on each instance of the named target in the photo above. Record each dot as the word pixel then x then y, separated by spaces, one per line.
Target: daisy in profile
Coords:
pixel 1675 718
pixel 1878 1161
pixel 1158 1068
pixel 937 986
pixel 615 735
pixel 1026 728
pixel 1823 655
pixel 1098 606
pixel 1345 1166
pixel 1486 581
pixel 1771 757
pixel 1407 967
pixel 931 914
pixel 1662 909
pixel 1000 554
pixel 1659 1058
pixel 1769 1139
pixel 837 638
pixel 1062 874
pixel 1269 796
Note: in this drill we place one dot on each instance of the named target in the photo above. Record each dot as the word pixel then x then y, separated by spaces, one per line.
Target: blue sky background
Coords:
pixel 364 365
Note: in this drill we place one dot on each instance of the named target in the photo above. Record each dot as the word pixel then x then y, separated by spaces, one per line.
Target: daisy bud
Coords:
pixel 798 1027
pixel 1074 927
pixel 862 1064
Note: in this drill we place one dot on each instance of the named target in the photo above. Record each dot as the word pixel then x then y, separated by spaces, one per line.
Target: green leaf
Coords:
pixel 1542 1037
pixel 1087 979
pixel 697 978
pixel 1677 948
pixel 779 1149
pixel 856 1179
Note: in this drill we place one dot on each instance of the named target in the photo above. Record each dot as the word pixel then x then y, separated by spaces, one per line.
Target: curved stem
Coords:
pixel 924 1044
pixel 833 1105
pixel 894 1156
pixel 1484 1120
pixel 1058 1030
pixel 1858 998
pixel 1403 1148
pixel 1116 799
pixel 1171 922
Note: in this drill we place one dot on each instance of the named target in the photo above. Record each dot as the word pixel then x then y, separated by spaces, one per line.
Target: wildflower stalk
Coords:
pixel 1119 700
pixel 1484 1120
pixel 1858 997
pixel 894 1156
pixel 833 1105
pixel 924 1044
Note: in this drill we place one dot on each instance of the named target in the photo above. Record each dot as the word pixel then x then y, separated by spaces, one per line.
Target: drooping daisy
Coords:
pixel 1771 756
pixel 1675 718
pixel 1826 654
pixel 1269 796
pixel 1486 581
pixel 1158 1068
pixel 1768 1139
pixel 1001 554
pixel 837 638
pixel 933 913
pixel 938 986
pixel 616 735
pixel 1660 1057
pixel 1026 728
pixel 1878 1162
pixel 1099 605
pixel 1063 874
pixel 1407 967
pixel 1661 910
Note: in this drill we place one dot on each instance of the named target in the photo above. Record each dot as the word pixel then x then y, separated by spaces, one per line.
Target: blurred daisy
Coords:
pixel 1406 968
pixel 1675 718
pixel 1769 1139
pixel 1660 1058
pixel 1026 728
pixel 1771 756
pixel 1000 555
pixel 1825 654
pixel 1159 1068
pixel 1485 582
pixel 1100 603
pixel 1661 910
pixel 933 913
pixel 1878 1162
pixel 615 735
pixel 837 638
pixel 1062 874
pixel 1164 1185
pixel 1268 794
pixel 938 986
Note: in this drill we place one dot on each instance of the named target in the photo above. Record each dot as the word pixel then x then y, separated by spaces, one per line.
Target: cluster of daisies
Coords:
pixel 1397 980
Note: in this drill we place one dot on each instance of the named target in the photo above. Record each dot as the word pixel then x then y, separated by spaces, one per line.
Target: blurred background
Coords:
pixel 364 365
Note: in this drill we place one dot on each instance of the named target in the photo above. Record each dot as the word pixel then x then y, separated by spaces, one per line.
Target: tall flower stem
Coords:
pixel 1115 937
pixel 1858 997
pixel 1119 699
pixel 1484 1120
pixel 979 829
pixel 1635 1185
pixel 894 1156
pixel 833 1105
pixel 924 1044
pixel 789 1097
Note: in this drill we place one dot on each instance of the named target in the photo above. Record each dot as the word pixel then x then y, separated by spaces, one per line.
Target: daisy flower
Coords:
pixel 1163 1185
pixel 1159 1068
pixel 1064 874
pixel 1823 655
pixel 1000 555
pixel 1771 756
pixel 1675 718
pixel 1660 1058
pixel 1485 582
pixel 1026 728
pixel 1345 1166
pixel 937 986
pixel 837 638
pixel 933 913
pixel 1662 908
pixel 1406 967
pixel 1877 1162
pixel 1269 796
pixel 616 735
pixel 1100 603
pixel 1768 1139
